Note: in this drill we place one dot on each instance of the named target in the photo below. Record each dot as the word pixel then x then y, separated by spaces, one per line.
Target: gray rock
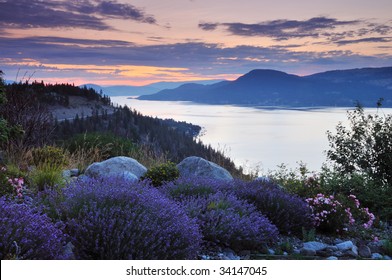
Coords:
pixel 352 253
pixel 117 167
pixel 364 251
pixel 68 251
pixel 377 256
pixel 314 245
pixel 196 166
pixel 375 246
pixel 296 252
pixel 66 174
pixel 308 252
pixel 228 254
pixel 271 251
pixel 74 172
pixel 331 248
pixel 387 258
pixel 332 258
pixel 347 245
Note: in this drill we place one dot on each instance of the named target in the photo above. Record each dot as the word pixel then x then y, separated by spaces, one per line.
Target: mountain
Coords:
pixel 342 88
pixel 122 90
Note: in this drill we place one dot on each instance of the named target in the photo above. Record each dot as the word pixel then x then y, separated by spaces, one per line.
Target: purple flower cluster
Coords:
pixel 185 187
pixel 28 234
pixel 114 219
pixel 288 212
pixel 228 221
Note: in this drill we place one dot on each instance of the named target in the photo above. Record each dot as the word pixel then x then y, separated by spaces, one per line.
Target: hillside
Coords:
pixel 343 88
pixel 56 114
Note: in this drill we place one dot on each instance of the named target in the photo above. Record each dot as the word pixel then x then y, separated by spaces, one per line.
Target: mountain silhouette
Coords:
pixel 264 87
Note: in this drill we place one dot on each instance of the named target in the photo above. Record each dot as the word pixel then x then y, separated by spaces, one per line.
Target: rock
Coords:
pixel 351 253
pixel 308 252
pixel 68 251
pixel 332 258
pixel 347 245
pixel 377 256
pixel 331 248
pixel 387 258
pixel 271 251
pixel 364 251
pixel 228 254
pixel 67 174
pixel 244 255
pixel 314 245
pixel 74 172
pixel 126 167
pixel 296 252
pixel 375 246
pixel 196 166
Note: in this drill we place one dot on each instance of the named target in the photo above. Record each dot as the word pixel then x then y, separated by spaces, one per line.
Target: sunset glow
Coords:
pixel 113 42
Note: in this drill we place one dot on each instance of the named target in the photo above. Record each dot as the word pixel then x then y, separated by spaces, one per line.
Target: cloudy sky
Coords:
pixel 137 42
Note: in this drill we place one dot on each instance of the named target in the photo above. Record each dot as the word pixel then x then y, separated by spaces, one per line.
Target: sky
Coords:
pixel 138 42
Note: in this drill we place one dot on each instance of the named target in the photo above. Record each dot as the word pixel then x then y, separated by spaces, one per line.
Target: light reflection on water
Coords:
pixel 262 137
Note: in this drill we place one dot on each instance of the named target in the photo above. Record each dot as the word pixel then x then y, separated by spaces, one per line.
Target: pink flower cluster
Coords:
pixel 17 183
pixel 323 207
pixel 328 211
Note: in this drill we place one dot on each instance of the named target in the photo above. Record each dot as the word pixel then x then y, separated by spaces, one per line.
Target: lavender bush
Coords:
pixel 28 234
pixel 186 187
pixel 113 219
pixel 228 221
pixel 288 212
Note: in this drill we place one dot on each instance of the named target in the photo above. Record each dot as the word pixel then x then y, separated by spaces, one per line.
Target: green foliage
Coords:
pixel 299 181
pixel 308 235
pixel 162 173
pixel 387 247
pixel 366 146
pixel 49 156
pixel 106 144
pixel 46 177
pixel 4 129
pixel 363 153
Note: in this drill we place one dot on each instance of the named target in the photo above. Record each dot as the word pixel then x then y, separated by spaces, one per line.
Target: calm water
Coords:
pixel 255 137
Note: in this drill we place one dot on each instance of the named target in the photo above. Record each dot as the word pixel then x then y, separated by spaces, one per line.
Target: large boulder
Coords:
pixel 125 167
pixel 199 167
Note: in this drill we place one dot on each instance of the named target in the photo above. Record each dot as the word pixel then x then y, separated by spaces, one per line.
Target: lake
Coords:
pixel 261 138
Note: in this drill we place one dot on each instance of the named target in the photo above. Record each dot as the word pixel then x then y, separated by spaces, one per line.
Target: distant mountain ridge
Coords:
pixel 123 90
pixel 265 87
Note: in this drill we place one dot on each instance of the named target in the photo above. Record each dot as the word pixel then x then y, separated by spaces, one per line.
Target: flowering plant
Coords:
pixel 337 215
pixel 11 185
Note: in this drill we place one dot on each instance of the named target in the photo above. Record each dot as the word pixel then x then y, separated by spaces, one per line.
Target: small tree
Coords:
pixel 4 128
pixel 365 147
pixel 362 154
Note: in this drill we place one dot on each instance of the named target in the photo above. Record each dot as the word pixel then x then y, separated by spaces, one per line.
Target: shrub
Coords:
pixel 49 156
pixel 46 176
pixel 108 145
pixel 185 187
pixel 111 219
pixel 288 212
pixel 162 173
pixel 365 148
pixel 337 215
pixel 228 221
pixel 11 182
pixel 28 234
